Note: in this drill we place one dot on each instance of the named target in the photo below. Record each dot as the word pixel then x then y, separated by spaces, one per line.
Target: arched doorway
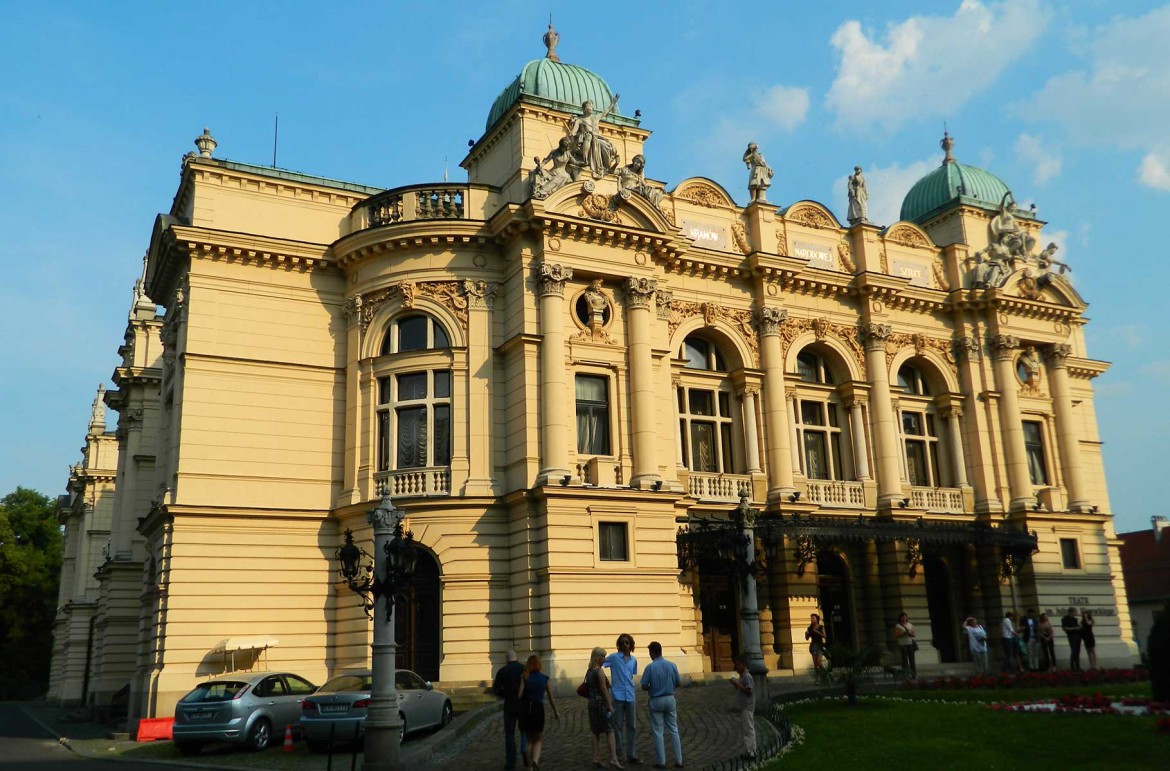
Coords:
pixel 940 604
pixel 418 620
pixel 836 599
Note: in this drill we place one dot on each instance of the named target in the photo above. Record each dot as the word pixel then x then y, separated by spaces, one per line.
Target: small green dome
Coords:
pixel 558 85
pixel 952 182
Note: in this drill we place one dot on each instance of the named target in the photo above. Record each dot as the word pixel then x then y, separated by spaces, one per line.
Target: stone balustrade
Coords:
pixel 937 499
pixel 417 482
pixel 718 487
pixel 435 201
pixel 835 494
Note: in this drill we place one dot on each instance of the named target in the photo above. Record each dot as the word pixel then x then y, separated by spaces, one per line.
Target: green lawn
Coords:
pixel 881 734
pixel 1028 694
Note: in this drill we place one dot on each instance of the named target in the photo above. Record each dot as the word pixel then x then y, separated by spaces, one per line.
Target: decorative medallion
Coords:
pixel 906 236
pixel 812 217
pixel 554 244
pixel 641 258
pixel 406 289
pixel 701 194
pixel 597 206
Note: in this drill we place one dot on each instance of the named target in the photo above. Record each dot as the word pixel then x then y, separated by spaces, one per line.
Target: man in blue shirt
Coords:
pixel 623 665
pixel 660 678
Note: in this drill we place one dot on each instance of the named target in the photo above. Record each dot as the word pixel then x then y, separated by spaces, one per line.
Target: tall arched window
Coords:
pixel 920 429
pixel 413 396
pixel 819 420
pixel 705 409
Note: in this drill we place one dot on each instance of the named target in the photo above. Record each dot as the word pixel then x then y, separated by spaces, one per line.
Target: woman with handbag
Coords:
pixel 600 709
pixel 907 644
pixel 534 686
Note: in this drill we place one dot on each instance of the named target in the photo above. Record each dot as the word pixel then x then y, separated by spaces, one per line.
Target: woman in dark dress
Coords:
pixel 815 634
pixel 600 710
pixel 1088 639
pixel 534 686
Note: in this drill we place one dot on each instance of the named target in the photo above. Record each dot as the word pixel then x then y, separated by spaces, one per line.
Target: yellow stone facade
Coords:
pixel 280 380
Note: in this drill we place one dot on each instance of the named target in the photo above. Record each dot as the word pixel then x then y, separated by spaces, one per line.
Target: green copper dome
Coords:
pixel 557 85
pixel 952 182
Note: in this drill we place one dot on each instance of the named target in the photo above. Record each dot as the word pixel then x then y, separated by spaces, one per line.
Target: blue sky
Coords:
pixel 1068 102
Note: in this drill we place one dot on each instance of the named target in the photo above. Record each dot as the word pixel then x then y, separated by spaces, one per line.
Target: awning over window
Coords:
pixel 232 644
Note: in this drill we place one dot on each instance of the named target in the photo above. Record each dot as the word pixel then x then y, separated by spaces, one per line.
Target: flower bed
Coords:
pixel 1095 704
pixel 1029 680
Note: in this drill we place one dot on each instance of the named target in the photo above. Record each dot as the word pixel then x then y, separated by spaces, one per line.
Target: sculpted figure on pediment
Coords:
pixel 560 172
pixel 590 148
pixel 632 179
pixel 759 172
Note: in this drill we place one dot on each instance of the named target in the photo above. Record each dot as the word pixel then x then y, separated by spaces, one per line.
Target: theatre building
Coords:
pixel 604 404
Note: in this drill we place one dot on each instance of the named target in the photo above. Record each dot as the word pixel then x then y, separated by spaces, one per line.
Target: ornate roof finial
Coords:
pixel 946 144
pixel 551 38
pixel 206 143
pixel 97 414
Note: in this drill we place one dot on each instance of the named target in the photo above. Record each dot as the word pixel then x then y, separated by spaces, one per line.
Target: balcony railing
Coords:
pixel 416 482
pixel 437 201
pixel 833 494
pixel 937 499
pixel 718 487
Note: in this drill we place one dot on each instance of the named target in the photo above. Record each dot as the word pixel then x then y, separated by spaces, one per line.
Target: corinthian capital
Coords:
pixel 1058 354
pixel 1004 346
pixel 640 292
pixel 551 278
pixel 480 293
pixel 965 348
pixel 874 336
pixel 768 320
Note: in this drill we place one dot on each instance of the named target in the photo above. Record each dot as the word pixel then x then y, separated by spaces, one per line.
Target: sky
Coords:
pixel 1067 102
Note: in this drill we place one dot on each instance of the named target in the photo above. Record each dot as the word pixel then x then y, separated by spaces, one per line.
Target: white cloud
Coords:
pixel 783 106
pixel 887 186
pixel 1154 172
pixel 1122 96
pixel 1044 162
pixel 927 65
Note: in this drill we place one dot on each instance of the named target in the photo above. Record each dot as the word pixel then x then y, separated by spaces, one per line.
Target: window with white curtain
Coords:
pixel 822 443
pixel 592 415
pixel 705 409
pixel 920 428
pixel 414 406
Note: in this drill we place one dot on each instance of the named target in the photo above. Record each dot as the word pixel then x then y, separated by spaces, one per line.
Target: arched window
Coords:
pixel 707 422
pixel 414 396
pixel 819 417
pixel 920 429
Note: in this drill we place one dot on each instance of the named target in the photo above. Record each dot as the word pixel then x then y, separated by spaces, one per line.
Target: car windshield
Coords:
pixel 219 691
pixel 349 683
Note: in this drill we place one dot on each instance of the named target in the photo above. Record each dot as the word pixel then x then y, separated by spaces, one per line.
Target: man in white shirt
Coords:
pixel 1007 633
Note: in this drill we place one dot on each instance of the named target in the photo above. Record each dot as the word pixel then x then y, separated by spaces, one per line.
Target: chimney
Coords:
pixel 1160 524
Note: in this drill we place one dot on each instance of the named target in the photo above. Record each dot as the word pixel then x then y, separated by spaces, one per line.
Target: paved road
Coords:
pixel 708 725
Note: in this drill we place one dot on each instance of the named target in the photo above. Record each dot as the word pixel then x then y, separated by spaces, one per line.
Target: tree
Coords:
pixel 30 571
pixel 1158 649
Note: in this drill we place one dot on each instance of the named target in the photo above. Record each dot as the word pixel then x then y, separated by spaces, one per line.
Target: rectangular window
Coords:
pixel 703 446
pixel 1069 556
pixel 612 541
pixel 702 402
pixel 814 455
pixel 916 463
pixel 592 415
pixel 1034 446
pixel 412 437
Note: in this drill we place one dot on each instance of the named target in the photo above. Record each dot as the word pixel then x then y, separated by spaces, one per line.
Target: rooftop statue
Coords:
pixel 858 198
pixel 632 179
pixel 1010 239
pixel 592 149
pixel 545 182
pixel 759 172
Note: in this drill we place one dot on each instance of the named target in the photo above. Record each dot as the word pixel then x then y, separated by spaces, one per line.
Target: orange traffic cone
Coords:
pixel 288 742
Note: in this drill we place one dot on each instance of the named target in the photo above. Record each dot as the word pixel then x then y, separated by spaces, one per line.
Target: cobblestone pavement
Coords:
pixel 707 723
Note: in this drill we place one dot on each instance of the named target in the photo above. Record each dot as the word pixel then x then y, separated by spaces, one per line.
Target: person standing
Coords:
pixel 1047 641
pixel 1031 636
pixel 1088 638
pixel 534 686
pixel 977 639
pixel 623 665
pixel 507 685
pixel 660 679
pixel 1007 635
pixel 815 634
pixel 905 635
pixel 600 710
pixel 745 702
pixel 1072 628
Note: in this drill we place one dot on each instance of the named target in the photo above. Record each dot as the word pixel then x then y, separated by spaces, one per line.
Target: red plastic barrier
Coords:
pixel 154 728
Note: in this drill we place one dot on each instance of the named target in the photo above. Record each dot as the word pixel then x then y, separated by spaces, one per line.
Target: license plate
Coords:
pixel 200 716
pixel 334 708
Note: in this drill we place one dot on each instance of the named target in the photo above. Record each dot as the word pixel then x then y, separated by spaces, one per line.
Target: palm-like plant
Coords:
pixel 849 667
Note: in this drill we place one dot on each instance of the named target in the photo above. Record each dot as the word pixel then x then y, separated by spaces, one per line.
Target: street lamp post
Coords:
pixel 394 558
pixel 744 517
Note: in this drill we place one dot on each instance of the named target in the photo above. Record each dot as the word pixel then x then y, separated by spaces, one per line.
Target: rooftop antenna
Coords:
pixel 275 136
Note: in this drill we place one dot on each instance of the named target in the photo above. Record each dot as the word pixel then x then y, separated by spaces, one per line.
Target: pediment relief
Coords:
pixel 906 234
pixel 601 201
pixel 702 192
pixel 1030 283
pixel 810 214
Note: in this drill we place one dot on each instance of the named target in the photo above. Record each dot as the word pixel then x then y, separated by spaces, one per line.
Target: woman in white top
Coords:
pixel 907 644
pixel 977 639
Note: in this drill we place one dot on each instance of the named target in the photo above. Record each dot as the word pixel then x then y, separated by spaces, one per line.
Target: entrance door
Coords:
pixel 417 621
pixel 833 585
pixel 720 631
pixel 943 622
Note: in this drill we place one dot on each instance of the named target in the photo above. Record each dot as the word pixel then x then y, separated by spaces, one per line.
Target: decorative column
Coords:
pixel 779 435
pixel 955 434
pixel 639 303
pixel 750 435
pixel 126 523
pixel 383 725
pixel 554 428
pixel 881 412
pixel 480 296
pixel 1066 429
pixel 857 423
pixel 792 407
pixel 1003 349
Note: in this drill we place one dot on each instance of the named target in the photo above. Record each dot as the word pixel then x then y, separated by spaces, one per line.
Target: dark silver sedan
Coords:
pixel 251 711
pixel 337 712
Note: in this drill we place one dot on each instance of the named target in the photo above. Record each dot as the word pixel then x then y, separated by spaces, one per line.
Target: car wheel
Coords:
pixel 448 715
pixel 317 746
pixel 260 736
pixel 189 748
pixel 402 732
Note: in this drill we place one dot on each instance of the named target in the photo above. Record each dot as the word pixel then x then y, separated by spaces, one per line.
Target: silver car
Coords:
pixel 337 712
pixel 251 711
